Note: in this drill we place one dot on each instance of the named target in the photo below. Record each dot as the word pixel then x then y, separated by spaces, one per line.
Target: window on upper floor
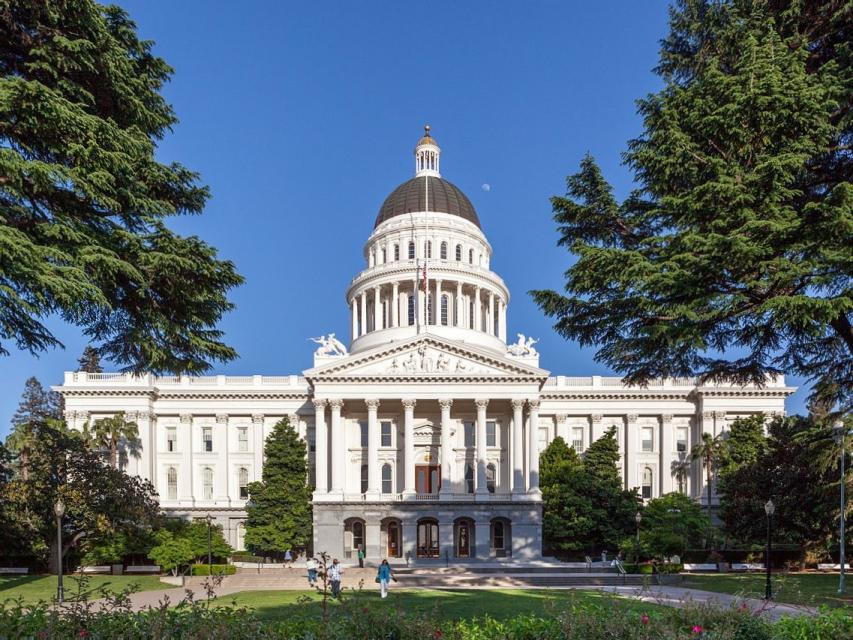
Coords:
pixel 411 251
pixel 647 439
pixel 396 252
pixel 468 429
pixel 443 251
pixel 491 477
pixel 385 433
pixel 428 249
pixel 411 309
pixel 429 308
pixel 384 255
pixel 242 439
pixel 171 439
pixel 387 480
pixel 172 483
pixel 469 478
pixel 681 439
pixel 491 434
pixel 445 307
pixel 577 439
pixel 471 256
pixel 207 439
pixel 459 252
pixel 363 435
pixel 647 483
pixel 243 482
pixel 364 478
pixel 207 483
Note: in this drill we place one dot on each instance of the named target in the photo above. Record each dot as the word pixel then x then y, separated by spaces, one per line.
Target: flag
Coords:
pixel 424 281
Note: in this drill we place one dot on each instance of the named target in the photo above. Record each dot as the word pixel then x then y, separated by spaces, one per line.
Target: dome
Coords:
pixel 444 197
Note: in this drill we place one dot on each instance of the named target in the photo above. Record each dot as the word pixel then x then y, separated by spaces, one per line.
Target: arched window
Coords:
pixel 443 251
pixel 207 483
pixel 364 478
pixel 647 483
pixel 358 535
pixel 445 309
pixel 471 314
pixel 469 478
pixel 411 251
pixel 387 484
pixel 491 476
pixel 498 535
pixel 411 309
pixel 243 483
pixel 471 256
pixel 428 249
pixel 459 252
pixel 172 482
pixel 384 256
pixel 396 252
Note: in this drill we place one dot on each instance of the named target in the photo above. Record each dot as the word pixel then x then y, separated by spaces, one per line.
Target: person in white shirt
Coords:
pixel 311 566
pixel 336 573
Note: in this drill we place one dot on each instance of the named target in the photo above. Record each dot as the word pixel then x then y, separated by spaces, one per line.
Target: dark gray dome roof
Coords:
pixel 444 197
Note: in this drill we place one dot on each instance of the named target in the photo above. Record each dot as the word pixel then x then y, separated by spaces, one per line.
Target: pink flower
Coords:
pixel 437 634
pixel 645 618
pixel 83 634
pixel 697 629
pixel 365 610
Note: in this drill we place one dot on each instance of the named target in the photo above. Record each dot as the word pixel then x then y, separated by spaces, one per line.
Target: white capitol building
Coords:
pixel 424 436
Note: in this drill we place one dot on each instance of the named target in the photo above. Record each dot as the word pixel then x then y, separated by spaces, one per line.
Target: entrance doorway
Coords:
pixel 428 539
pixel 427 478
pixel 393 532
pixel 464 533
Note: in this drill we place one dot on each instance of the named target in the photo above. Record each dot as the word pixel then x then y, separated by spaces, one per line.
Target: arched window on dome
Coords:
pixel 384 255
pixel 411 314
pixel 459 252
pixel 443 251
pixel 396 252
pixel 647 483
pixel 471 256
pixel 428 249
pixel 445 309
pixel 411 251
pixel 471 315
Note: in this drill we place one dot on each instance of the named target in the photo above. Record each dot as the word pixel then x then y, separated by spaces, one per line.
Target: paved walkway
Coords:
pixel 663 595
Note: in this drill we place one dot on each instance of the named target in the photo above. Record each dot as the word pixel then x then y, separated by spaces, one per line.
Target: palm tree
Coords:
pixel 116 434
pixel 679 469
pixel 20 442
pixel 707 450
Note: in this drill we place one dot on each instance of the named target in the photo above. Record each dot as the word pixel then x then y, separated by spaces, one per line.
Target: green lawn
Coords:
pixel 447 604
pixel 807 588
pixel 32 589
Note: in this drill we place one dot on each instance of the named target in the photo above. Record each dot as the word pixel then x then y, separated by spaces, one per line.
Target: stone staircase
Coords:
pixel 472 576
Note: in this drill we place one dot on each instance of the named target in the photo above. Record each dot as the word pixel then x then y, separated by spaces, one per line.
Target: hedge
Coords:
pixel 215 569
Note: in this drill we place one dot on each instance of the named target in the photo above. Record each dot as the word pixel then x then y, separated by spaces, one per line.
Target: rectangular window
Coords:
pixel 242 439
pixel 171 439
pixel 681 439
pixel 648 439
pixel 469 434
pixel 385 434
pixel 543 439
pixel 577 439
pixel 207 439
pixel 243 482
pixel 362 429
pixel 491 434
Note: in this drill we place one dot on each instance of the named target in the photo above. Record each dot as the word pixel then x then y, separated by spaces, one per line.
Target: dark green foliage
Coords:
pixel 84 203
pixel 672 523
pixel 215 570
pixel 279 508
pixel 583 503
pixel 739 233
pixel 744 444
pixel 89 361
pixel 37 404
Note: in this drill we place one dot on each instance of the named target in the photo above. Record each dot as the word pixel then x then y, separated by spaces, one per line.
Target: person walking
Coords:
pixel 311 565
pixel 384 577
pixel 336 574
pixel 288 559
pixel 360 557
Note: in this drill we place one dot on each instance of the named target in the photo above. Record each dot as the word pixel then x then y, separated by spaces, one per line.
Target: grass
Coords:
pixel 448 604
pixel 812 589
pixel 34 588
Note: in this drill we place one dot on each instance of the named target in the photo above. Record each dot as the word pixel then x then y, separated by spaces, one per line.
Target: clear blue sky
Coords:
pixel 302 117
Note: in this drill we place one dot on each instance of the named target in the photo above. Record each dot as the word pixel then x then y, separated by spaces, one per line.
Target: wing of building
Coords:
pixel 424 435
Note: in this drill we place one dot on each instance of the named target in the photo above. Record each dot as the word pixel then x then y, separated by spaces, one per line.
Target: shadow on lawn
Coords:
pixel 7 582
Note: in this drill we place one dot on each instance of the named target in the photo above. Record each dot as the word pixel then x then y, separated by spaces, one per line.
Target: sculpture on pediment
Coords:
pixel 395 366
pixel 443 362
pixel 461 366
pixel 523 346
pixel 411 364
pixel 426 361
pixel 329 346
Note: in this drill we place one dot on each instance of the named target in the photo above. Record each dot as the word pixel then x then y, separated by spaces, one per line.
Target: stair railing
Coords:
pixel 621 569
pixel 588 564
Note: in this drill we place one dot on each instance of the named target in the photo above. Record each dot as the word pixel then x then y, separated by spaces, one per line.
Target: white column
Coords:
pixel 666 449
pixel 480 486
pixel 446 447
pixel 395 305
pixel 518 485
pixel 501 319
pixel 338 445
pixel 187 467
pixel 221 437
pixel 321 447
pixel 363 311
pixel 478 324
pixel 458 304
pixel 408 446
pixel 258 448
pixel 377 309
pixel 354 330
pixel 490 321
pixel 436 303
pixel 372 447
pixel 631 437
pixel 533 447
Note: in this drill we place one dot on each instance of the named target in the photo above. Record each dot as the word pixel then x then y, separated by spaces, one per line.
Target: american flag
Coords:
pixel 424 281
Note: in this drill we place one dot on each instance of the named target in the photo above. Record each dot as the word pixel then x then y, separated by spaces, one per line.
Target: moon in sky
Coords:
pixel 486 186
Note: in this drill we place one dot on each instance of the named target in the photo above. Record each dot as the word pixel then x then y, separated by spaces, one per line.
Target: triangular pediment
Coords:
pixel 425 356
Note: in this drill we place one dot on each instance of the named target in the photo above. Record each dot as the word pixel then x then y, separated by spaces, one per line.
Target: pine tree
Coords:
pixel 278 515
pixel 738 235
pixel 84 232
pixel 89 361
pixel 37 404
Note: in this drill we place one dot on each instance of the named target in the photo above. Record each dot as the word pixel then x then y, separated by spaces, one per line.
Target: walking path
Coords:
pixel 663 595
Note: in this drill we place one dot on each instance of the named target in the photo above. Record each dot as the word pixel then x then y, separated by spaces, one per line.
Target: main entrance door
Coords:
pixel 427 478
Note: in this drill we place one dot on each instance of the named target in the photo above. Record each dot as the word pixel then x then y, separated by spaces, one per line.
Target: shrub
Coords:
pixel 214 569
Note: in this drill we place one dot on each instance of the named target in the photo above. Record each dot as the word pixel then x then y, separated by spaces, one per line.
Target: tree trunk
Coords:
pixel 113 453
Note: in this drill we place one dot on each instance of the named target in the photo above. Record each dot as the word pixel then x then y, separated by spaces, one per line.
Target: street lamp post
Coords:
pixel 769 508
pixel 841 439
pixel 59 511
pixel 638 518
pixel 209 545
